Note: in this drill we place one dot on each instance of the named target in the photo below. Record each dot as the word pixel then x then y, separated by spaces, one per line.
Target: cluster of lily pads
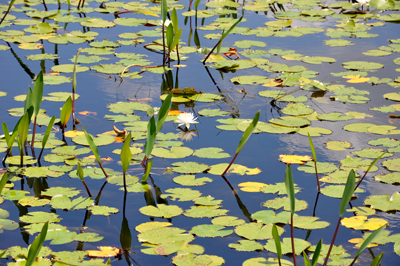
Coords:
pixel 286 86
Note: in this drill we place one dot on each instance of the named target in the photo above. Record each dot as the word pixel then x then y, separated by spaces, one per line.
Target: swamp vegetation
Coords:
pixel 200 132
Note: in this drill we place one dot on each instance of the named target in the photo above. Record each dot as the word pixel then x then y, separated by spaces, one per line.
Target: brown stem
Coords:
pixel 87 189
pixel 226 170
pixel 163 41
pixel 359 182
pixel 333 241
pixel 33 134
pixel 40 155
pixel 45 6
pixel 124 188
pixel 8 11
pixel 104 171
pixel 204 62
pixel 292 238
pixel 73 107
pixel 316 174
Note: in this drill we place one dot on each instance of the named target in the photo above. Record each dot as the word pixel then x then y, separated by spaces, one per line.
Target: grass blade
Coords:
pixel 317 251
pixel 290 187
pixel 37 93
pixel 174 20
pixel 126 154
pixel 348 192
pixel 36 245
pixel 163 112
pixel 48 131
pixel 3 183
pixel 306 260
pixel 92 145
pixel 368 241
pixel 246 135
pixel 375 262
pixel 147 173
pixel 66 112
pixel 151 136
pixel 79 172
pixel 248 132
pixel 164 11
pixel 223 37
pixel 314 159
pixel 277 241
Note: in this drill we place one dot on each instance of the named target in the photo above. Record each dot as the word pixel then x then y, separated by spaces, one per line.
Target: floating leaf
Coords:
pixel 256 231
pixel 183 194
pixel 336 191
pixel 294 159
pixel 278 203
pixel 384 202
pixel 362 65
pixel 227 221
pixel 164 235
pixel 162 210
pixel 278 188
pixel 262 261
pixel 391 178
pixel 210 230
pixel 205 211
pixel 102 210
pixel 338 145
pixel 212 153
pixel 286 244
pixel 207 201
pixel 269 217
pixel 189 167
pixel 363 223
pixel 212 112
pixel 246 245
pixel 174 152
pixel 308 222
pixel 104 252
pixel 251 186
pixel 190 180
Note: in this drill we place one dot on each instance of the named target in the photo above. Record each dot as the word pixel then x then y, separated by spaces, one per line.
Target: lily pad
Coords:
pixel 210 230
pixel 362 65
pixel 181 194
pixel 189 167
pixel 286 245
pixel 246 245
pixel 162 210
pixel 278 203
pixel 191 180
pixel 174 152
pixel 256 231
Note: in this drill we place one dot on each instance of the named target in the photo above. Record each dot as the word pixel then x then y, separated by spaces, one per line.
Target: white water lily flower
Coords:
pixel 363 2
pixel 166 24
pixel 186 119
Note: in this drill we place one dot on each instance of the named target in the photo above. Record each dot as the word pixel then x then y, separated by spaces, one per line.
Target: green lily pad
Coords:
pixel 67 191
pixel 164 235
pixel 384 202
pixel 249 80
pixel 246 245
pixel 128 107
pixel 82 59
pixel 336 191
pixel 205 211
pixel 181 194
pixel 205 97
pixel 383 130
pixel 391 178
pixel 308 222
pixel 358 127
pixel 59 96
pixel 212 153
pixel 99 140
pixel 362 65
pixel 102 210
pixel 290 121
pixel 108 68
pixel 37 57
pixel 207 201
pixel 392 96
pixel 33 202
pixel 210 230
pixel 56 80
pixel 371 153
pixel 278 203
pixel 297 109
pixel 249 44
pixel 97 23
pixel 39 217
pixel 190 258
pixel 191 180
pixel 162 210
pixel 334 116
pixel 260 261
pixel 69 68
pixel 189 167
pixel 6 224
pixel 227 221
pixel 174 152
pixel 218 169
pixel 256 231
pixel 338 145
pixel 316 60
pixel 213 112
pixel 37 171
pixel 269 217
pixel 286 245
pixel 392 165
pixel 63 202
pixel 338 43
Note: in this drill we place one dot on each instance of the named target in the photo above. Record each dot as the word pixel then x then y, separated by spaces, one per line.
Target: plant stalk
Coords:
pixel 333 241
pixel 292 238
pixel 226 170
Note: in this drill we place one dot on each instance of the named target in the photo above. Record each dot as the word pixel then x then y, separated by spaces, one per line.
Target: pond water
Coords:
pixel 291 62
